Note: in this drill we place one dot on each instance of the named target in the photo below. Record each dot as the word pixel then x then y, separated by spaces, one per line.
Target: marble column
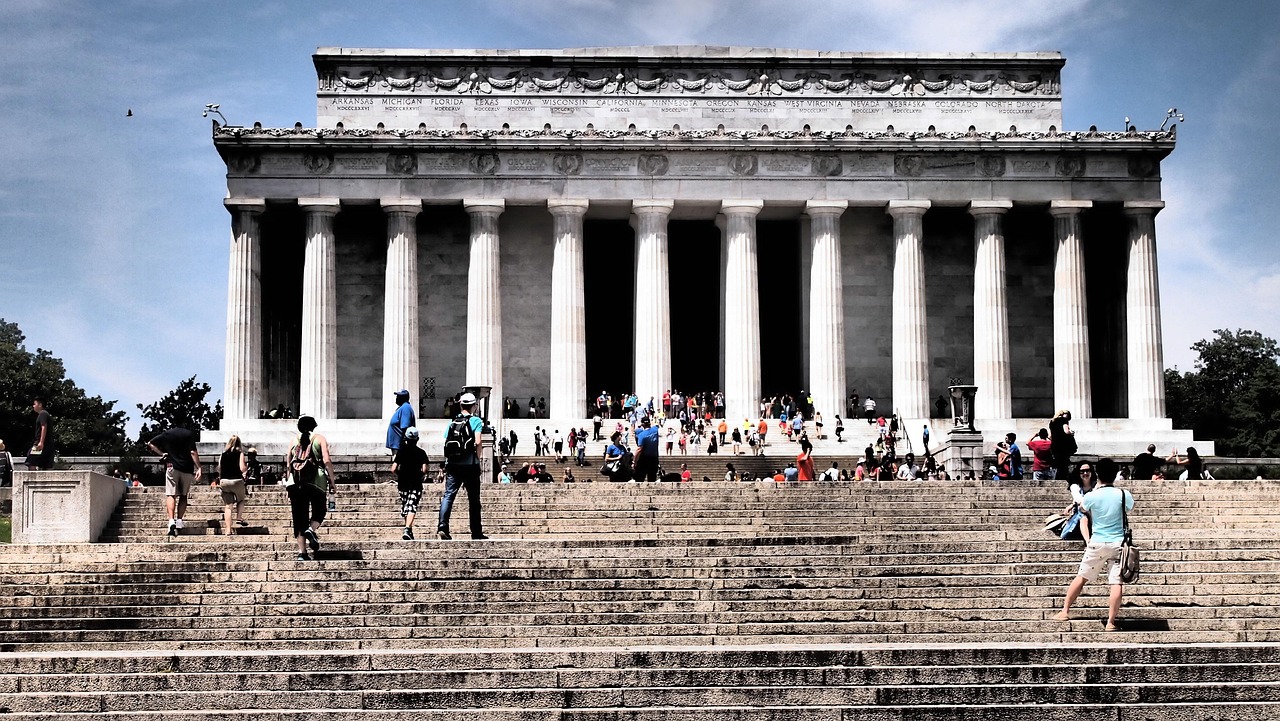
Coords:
pixel 910 317
pixel 991 366
pixel 400 309
pixel 653 300
pixel 1072 387
pixel 318 385
pixel 243 369
pixel 742 311
pixel 826 307
pixel 568 312
pixel 484 301
pixel 1142 315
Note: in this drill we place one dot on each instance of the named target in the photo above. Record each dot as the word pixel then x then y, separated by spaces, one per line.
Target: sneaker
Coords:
pixel 242 523
pixel 312 541
pixel 173 529
pixel 444 536
pixel 479 537
pixel 408 534
pixel 303 557
pixel 179 523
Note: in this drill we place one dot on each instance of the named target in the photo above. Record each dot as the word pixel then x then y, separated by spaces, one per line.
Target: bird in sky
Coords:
pixel 129 114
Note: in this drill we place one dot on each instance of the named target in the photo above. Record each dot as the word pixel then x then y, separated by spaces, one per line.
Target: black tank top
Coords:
pixel 229 466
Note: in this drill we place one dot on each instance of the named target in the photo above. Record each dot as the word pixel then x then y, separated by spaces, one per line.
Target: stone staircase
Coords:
pixel 638 601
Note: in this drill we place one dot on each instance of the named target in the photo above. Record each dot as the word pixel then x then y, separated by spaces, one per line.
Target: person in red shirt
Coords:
pixel 1042 458
pixel 685 475
pixel 804 461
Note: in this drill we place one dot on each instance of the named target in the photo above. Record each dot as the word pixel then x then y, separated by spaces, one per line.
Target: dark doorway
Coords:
pixel 693 255
pixel 778 260
pixel 283 230
pixel 609 263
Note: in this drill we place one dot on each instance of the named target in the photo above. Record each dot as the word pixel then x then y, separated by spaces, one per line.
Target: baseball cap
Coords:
pixel 411 433
pixel 402 392
pixel 468 399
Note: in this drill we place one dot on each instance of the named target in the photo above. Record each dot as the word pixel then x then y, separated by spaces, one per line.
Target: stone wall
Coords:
pixel 443 255
pixel 867 254
pixel 527 247
pixel 360 234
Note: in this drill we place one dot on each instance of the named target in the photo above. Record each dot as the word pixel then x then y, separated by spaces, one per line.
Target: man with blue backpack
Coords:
pixel 462 447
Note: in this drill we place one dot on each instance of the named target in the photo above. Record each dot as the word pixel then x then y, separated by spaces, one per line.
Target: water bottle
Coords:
pixel 333 505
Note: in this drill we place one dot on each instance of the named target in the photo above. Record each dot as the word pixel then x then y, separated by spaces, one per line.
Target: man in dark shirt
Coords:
pixel 646 456
pixel 177 450
pixel 40 457
pixel 1146 464
pixel 410 465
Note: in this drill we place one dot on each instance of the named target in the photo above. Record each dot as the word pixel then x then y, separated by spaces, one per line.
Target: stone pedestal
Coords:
pixel 243 370
pixel 318 379
pixel 826 306
pixel 991 367
pixel 400 313
pixel 910 318
pixel 568 397
pixel 1142 317
pixel 484 301
pixel 742 311
pixel 63 506
pixel 1072 388
pixel 653 300
pixel 963 455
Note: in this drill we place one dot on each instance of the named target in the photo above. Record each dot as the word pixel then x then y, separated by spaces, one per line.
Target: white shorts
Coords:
pixel 1101 558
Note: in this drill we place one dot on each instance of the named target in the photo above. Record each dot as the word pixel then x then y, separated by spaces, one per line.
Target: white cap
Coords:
pixel 468 399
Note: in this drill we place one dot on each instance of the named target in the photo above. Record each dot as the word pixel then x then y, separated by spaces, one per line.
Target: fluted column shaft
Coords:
pixel 243 368
pixel 910 319
pixel 400 310
pixel 484 301
pixel 1146 345
pixel 318 379
pixel 1072 387
pixel 568 312
pixel 826 306
pixel 653 299
pixel 742 310
pixel 991 369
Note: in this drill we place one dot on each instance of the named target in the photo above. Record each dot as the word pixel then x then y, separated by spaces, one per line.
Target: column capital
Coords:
pixel 1068 207
pixel 650 205
pixel 741 207
pixel 245 205
pixel 908 207
pixel 411 206
pixel 1143 207
pixel 484 206
pixel 326 206
pixel 990 207
pixel 825 207
pixel 568 206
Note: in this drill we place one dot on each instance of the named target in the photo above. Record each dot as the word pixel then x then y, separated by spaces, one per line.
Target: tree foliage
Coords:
pixel 1233 395
pixel 183 407
pixel 82 424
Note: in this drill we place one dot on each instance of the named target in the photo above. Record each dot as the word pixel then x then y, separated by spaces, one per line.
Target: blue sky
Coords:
pixel 115 237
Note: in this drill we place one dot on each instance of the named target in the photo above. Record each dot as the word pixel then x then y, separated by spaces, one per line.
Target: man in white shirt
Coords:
pixel 908 471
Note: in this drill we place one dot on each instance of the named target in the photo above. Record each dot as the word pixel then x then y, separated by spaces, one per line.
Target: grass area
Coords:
pixel 6 530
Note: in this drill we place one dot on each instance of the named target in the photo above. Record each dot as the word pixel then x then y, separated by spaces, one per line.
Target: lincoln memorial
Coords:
pixel 554 223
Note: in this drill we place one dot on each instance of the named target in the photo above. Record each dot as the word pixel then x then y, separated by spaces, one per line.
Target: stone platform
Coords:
pixel 609 601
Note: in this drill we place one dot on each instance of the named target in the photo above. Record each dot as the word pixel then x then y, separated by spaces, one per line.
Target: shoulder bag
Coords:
pixel 1128 551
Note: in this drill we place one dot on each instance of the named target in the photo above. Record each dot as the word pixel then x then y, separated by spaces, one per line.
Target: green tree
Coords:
pixel 1233 395
pixel 82 424
pixel 183 407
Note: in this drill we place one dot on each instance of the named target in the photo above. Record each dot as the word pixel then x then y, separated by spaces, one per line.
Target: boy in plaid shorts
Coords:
pixel 410 465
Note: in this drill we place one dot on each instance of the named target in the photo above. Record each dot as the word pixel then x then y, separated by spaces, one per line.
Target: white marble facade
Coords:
pixel 945 227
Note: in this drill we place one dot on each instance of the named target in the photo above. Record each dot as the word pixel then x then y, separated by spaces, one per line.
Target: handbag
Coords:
pixel 1071 528
pixel 1054 523
pixel 1129 556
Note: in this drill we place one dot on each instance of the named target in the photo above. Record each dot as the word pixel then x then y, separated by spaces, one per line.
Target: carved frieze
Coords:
pixel 484 163
pixel 827 164
pixel 743 164
pixel 1069 166
pixel 402 163
pixel 244 162
pixel 908 165
pixel 991 166
pixel 567 163
pixel 318 162
pixel 653 164
pixel 1143 166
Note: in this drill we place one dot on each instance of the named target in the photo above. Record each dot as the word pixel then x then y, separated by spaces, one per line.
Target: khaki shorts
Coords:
pixel 233 491
pixel 1101 558
pixel 177 483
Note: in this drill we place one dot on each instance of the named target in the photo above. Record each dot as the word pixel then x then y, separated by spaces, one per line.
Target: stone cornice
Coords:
pixel 229 135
